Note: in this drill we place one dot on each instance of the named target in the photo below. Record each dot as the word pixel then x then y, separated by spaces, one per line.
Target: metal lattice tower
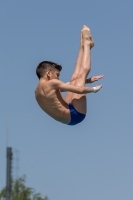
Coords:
pixel 9 173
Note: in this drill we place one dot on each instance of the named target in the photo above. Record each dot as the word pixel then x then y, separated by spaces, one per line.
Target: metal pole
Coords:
pixel 8 173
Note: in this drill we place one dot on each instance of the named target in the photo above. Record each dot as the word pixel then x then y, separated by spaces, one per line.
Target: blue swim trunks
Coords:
pixel 76 117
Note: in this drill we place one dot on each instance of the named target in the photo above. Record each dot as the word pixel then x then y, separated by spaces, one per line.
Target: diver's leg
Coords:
pixel 79 100
pixel 76 69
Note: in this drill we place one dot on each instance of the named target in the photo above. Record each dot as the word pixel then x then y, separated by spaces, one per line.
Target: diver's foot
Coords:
pixel 86 37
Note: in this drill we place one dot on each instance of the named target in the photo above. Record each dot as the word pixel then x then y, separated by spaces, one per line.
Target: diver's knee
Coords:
pixel 74 77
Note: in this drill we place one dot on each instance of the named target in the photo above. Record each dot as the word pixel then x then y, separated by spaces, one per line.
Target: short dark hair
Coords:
pixel 44 66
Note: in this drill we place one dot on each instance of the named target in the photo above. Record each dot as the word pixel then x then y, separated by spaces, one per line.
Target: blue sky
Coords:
pixel 93 160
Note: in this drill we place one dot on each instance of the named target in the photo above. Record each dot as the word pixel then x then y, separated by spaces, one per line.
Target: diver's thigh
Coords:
pixel 79 102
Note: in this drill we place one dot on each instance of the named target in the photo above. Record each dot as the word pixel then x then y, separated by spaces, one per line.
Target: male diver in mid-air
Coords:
pixel 72 109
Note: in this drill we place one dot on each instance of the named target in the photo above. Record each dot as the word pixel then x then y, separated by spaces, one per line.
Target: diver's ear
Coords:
pixel 48 72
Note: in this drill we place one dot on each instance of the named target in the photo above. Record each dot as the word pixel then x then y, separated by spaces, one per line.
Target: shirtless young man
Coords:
pixel 72 109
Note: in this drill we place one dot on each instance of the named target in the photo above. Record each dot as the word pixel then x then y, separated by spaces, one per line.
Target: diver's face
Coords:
pixel 53 74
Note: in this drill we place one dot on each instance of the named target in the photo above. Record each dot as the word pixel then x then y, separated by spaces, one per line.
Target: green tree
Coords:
pixel 21 192
pixel 2 194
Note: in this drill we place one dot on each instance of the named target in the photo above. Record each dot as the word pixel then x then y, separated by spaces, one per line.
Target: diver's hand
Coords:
pixel 97 88
pixel 94 78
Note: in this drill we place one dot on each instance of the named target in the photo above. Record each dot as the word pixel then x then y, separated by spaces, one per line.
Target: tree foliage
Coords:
pixel 21 192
